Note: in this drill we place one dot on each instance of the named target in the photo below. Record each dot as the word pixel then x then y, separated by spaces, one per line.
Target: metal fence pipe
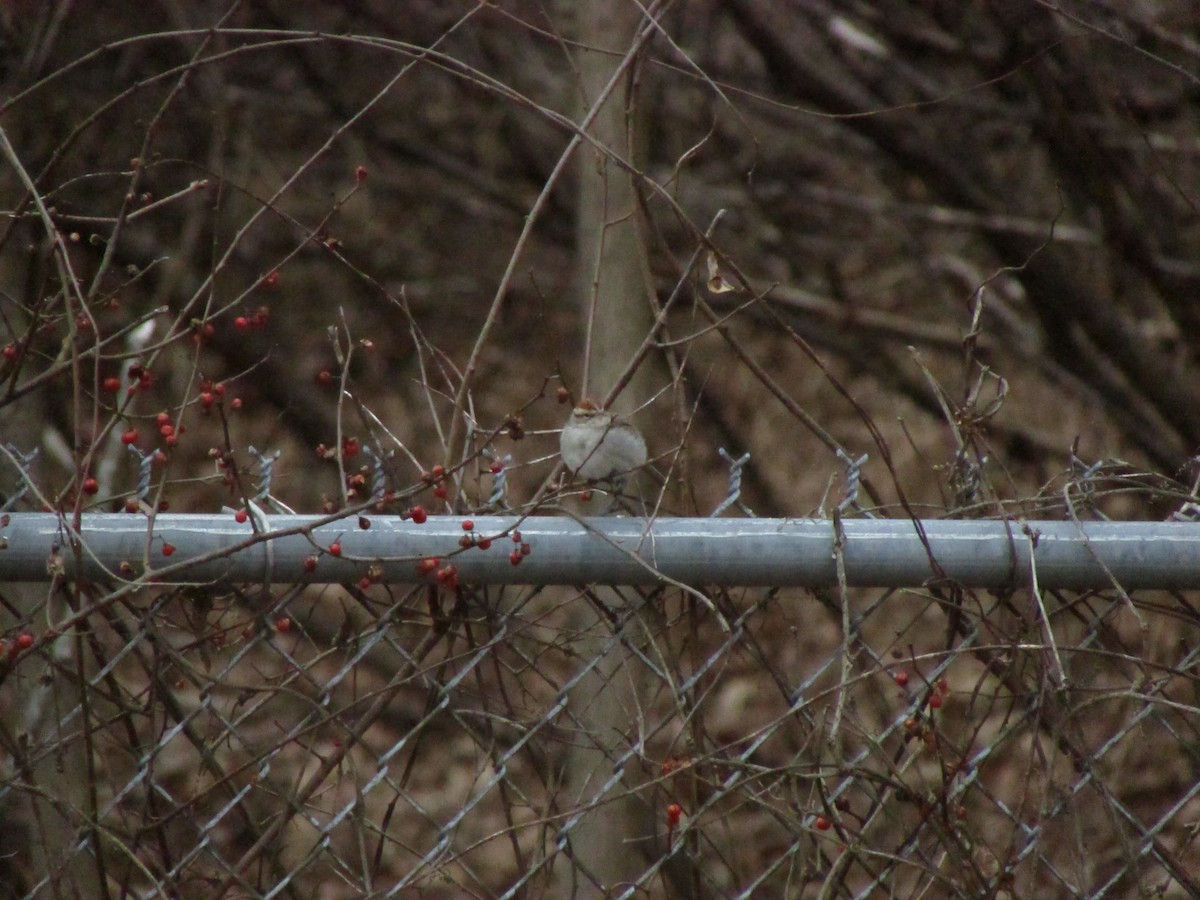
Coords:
pixel 610 550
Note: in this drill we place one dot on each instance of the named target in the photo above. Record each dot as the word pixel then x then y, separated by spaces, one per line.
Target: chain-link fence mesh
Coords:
pixel 452 740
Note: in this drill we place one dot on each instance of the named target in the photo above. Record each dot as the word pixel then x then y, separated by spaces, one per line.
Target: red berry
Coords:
pixel 360 174
pixel 90 486
pixel 427 565
pixel 674 811
pixel 823 823
pixel 112 385
pixel 10 352
pixel 310 563
pixel 515 557
pixel 364 582
pixel 272 279
pixel 162 419
pixel 206 399
pixel 241 516
pixel 166 430
pixel 438 471
pixel 335 549
pixel 901 678
pixel 324 378
pixel 25 640
pixel 283 624
pixel 240 323
pixel 484 543
pixel 131 505
pixel 468 525
pixel 935 702
pixel 235 403
pixel 129 437
pixel 418 514
pixel 168 549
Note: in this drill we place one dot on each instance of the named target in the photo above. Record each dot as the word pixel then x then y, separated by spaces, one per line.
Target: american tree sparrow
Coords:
pixel 598 446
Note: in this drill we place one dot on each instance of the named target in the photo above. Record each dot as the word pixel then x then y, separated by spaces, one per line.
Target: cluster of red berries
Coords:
pixel 167 429
pixel 471 539
pixel 256 321
pixel 940 689
pixel 19 645
pixel 446 575
pixel 523 549
pixel 211 394
pixel 224 462
pixel 140 377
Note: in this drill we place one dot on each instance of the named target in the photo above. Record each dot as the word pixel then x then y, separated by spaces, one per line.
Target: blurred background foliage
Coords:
pixel 994 196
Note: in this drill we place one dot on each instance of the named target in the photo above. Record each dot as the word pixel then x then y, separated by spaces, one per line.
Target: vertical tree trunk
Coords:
pixel 609 843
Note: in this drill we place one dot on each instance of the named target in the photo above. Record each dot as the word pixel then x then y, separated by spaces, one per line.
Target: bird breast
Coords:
pixel 598 448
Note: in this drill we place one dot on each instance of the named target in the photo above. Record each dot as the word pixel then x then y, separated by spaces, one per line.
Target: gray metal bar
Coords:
pixel 612 550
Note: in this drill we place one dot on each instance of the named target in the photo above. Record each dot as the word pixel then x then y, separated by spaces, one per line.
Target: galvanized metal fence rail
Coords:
pixel 610 550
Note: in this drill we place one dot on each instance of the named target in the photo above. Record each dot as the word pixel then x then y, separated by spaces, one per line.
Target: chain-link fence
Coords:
pixel 453 739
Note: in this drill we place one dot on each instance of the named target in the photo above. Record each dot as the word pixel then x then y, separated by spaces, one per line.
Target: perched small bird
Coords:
pixel 599 446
